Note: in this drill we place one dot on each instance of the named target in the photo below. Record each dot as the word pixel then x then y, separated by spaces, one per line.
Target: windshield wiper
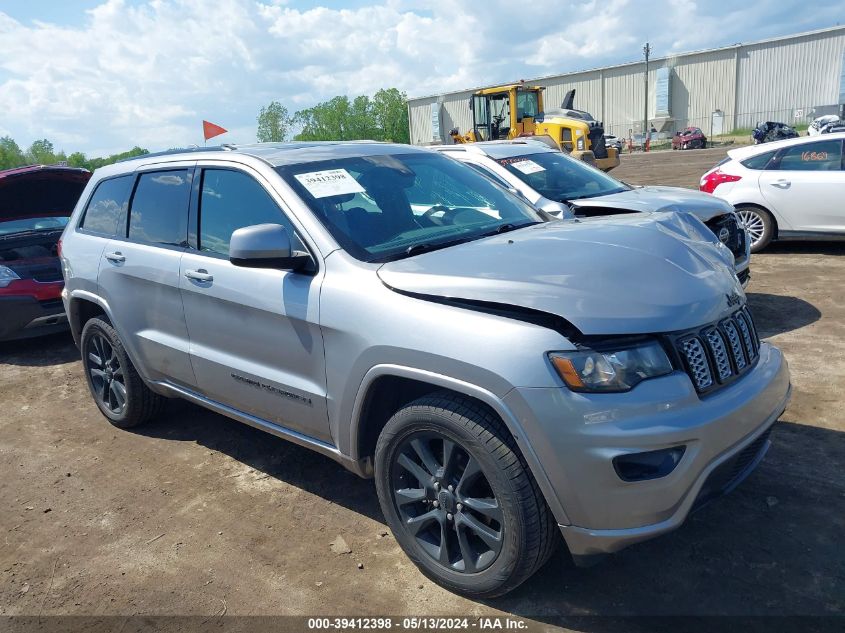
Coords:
pixel 426 247
pixel 507 227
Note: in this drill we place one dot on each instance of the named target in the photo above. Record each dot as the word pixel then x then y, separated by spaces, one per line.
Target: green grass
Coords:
pixel 740 131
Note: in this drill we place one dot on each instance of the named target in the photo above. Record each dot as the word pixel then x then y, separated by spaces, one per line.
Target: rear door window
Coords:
pixel 159 213
pixel 820 156
pixel 106 211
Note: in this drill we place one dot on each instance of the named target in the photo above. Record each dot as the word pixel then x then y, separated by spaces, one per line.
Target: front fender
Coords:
pixel 459 386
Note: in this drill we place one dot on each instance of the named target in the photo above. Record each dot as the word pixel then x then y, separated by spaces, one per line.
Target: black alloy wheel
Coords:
pixel 117 388
pixel 459 496
pixel 444 499
pixel 108 383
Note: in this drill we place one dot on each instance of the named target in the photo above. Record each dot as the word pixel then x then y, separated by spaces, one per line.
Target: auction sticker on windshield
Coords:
pixel 528 166
pixel 332 182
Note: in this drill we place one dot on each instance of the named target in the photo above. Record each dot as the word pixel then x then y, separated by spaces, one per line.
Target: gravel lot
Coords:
pixel 197 514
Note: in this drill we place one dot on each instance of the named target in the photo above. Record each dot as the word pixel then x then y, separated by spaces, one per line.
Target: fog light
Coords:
pixel 648 465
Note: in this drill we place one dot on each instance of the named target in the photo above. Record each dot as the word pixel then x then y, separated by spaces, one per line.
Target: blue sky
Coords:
pixel 100 76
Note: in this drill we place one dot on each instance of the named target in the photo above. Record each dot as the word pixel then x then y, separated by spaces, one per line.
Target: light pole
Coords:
pixel 646 52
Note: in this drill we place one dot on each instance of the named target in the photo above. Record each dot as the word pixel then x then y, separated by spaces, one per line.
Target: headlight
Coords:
pixel 614 370
pixel 580 143
pixel 7 276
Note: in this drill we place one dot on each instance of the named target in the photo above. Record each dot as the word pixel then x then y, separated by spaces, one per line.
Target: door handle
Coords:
pixel 116 257
pixel 781 184
pixel 199 275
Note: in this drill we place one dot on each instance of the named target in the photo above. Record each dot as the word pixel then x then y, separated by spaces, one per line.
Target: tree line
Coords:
pixel 382 117
pixel 42 152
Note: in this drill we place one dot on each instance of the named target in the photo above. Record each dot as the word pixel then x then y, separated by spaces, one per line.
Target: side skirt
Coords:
pixel 810 235
pixel 324 448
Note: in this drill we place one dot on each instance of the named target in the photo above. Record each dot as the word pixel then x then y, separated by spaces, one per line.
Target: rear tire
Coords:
pixel 459 497
pixel 115 385
pixel 759 226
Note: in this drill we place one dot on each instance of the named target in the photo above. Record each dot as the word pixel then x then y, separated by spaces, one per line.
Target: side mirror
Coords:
pixel 558 210
pixel 266 246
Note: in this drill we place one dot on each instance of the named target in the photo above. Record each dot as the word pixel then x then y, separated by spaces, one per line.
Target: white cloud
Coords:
pixel 147 73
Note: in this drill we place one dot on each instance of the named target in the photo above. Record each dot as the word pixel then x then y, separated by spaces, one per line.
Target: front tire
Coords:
pixel 115 385
pixel 459 497
pixel 759 226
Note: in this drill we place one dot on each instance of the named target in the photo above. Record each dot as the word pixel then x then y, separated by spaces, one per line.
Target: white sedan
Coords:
pixel 791 189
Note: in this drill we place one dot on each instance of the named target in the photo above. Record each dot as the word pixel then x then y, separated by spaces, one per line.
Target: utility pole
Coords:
pixel 646 131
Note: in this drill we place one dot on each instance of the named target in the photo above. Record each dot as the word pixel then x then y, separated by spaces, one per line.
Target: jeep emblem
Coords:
pixel 733 299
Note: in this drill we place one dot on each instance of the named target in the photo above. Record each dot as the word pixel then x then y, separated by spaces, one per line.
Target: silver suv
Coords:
pixel 503 378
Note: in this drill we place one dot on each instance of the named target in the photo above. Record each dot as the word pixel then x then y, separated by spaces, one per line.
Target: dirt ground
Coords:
pixel 197 514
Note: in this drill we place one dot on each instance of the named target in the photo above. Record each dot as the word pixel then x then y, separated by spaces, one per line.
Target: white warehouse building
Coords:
pixel 791 79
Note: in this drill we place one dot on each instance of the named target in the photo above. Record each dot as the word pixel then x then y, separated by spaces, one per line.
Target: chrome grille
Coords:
pixel 718 353
pixel 696 359
pixel 748 335
pixel 736 345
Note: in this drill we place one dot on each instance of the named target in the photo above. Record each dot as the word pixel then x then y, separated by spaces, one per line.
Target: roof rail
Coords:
pixel 185 150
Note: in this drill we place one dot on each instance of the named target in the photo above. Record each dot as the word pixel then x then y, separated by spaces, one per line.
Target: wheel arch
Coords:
pixel 82 307
pixel 387 388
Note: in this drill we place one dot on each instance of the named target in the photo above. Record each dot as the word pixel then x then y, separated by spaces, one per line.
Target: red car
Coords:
pixel 35 203
pixel 689 138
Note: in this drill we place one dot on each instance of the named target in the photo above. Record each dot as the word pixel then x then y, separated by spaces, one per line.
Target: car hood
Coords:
pixel 702 205
pixel 40 191
pixel 632 274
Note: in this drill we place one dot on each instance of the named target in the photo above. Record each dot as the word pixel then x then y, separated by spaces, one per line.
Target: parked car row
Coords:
pixel 516 346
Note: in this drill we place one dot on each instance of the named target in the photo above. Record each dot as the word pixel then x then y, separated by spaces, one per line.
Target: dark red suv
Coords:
pixel 35 203
pixel 689 138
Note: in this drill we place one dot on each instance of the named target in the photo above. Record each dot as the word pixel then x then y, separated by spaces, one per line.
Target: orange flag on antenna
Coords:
pixel 210 130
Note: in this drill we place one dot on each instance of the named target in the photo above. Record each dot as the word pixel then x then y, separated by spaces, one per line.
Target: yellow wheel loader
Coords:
pixel 516 111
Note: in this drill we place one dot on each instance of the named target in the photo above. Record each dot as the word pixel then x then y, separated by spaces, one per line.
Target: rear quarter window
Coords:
pixel 106 210
pixel 760 161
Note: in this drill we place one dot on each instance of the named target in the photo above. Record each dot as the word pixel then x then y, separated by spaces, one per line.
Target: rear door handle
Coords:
pixel 116 257
pixel 199 275
pixel 781 184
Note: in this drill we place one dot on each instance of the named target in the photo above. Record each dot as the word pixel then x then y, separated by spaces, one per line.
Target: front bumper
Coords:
pixel 26 316
pixel 576 437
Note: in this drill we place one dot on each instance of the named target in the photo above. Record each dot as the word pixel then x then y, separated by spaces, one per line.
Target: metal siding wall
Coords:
pixel 587 91
pixel 779 77
pixel 774 79
pixel 456 113
pixel 624 98
pixel 702 84
pixel 420 120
